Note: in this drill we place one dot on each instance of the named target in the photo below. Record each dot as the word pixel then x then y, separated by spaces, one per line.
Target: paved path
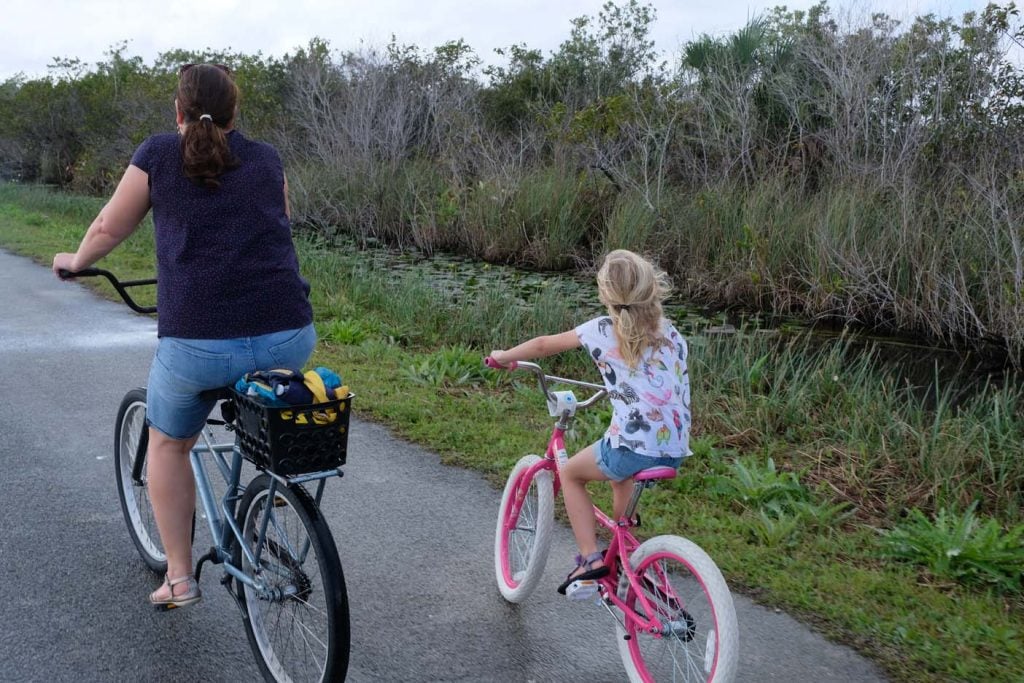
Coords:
pixel 415 540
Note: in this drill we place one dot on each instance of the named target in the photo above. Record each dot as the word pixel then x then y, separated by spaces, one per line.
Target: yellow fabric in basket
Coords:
pixel 315 384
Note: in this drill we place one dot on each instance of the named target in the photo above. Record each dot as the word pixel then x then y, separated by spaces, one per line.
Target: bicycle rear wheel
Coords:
pixel 521 545
pixel 130 440
pixel 699 638
pixel 299 630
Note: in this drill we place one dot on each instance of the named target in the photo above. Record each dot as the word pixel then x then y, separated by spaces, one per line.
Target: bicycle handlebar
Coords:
pixel 121 287
pixel 491 363
pixel 545 379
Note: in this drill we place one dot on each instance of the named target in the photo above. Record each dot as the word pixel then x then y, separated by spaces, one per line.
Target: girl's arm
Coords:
pixel 115 222
pixel 538 347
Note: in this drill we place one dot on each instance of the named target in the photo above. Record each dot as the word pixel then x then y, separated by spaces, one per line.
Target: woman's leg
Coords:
pixel 580 469
pixel 172 491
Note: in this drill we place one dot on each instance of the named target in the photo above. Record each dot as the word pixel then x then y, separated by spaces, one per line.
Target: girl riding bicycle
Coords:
pixel 642 358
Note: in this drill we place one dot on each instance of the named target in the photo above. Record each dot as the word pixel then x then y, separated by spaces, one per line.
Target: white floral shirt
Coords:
pixel 651 402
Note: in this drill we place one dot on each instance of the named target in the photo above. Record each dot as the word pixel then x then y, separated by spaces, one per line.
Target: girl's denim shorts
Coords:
pixel 619 464
pixel 182 368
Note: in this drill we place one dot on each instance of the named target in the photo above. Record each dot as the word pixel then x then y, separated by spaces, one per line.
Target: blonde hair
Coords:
pixel 632 288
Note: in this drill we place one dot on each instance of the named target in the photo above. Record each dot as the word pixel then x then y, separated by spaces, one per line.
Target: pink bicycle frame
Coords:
pixel 622 545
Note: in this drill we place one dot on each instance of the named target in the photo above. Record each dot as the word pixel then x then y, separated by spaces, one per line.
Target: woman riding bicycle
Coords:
pixel 642 358
pixel 231 299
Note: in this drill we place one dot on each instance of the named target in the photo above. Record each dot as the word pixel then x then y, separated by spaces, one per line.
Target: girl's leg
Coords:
pixel 580 469
pixel 172 491
pixel 622 491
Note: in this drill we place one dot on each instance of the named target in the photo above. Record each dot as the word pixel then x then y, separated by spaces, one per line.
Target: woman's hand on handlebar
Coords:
pixel 65 262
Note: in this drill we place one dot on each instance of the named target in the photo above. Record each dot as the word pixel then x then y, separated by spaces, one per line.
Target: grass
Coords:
pixel 804 455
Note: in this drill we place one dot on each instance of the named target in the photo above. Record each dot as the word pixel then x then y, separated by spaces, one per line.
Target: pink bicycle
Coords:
pixel 675 619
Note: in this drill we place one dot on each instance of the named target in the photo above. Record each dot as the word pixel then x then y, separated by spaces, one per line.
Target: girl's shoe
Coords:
pixel 189 597
pixel 589 573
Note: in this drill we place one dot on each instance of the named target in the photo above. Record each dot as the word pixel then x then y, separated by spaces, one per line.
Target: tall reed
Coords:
pixel 883 444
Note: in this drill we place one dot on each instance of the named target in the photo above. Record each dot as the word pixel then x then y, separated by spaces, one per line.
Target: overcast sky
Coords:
pixel 33 33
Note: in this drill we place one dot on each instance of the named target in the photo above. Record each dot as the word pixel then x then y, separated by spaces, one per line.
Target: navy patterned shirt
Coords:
pixel 226 264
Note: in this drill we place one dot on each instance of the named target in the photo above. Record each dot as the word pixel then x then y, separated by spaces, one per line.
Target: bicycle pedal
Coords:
pixel 581 590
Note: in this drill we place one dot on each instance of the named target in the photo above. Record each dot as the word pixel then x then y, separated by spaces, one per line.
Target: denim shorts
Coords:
pixel 619 464
pixel 182 368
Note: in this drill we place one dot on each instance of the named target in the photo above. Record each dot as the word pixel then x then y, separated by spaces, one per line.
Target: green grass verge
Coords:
pixel 411 353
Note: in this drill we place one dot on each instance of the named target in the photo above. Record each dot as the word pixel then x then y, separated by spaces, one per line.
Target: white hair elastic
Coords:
pixel 207 117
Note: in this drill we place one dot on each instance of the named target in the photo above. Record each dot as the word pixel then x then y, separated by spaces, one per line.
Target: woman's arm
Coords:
pixel 287 206
pixel 538 347
pixel 115 222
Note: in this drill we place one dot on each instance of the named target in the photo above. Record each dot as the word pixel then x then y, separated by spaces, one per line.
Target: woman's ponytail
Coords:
pixel 207 98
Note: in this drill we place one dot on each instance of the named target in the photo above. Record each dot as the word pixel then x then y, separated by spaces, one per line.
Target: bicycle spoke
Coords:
pixel 308 630
pixel 284 536
pixel 293 630
pixel 524 528
pixel 667 590
pixel 308 605
pixel 313 654
pixel 135 501
pixel 299 627
pixel 522 536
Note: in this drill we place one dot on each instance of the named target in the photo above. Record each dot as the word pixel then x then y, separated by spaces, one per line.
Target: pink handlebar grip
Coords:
pixel 491 363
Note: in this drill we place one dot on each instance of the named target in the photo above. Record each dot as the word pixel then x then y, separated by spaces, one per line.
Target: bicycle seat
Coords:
pixel 655 473
pixel 215 394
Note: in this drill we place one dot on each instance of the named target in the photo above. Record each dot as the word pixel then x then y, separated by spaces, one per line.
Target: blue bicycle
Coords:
pixel 279 558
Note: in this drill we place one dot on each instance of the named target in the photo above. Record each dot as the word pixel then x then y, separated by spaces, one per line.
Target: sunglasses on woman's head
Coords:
pixel 222 67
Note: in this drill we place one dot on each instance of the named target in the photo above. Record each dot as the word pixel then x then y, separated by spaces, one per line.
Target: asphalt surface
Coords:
pixel 415 539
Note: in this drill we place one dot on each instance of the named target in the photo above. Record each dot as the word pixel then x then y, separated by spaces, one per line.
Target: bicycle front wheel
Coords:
pixel 698 638
pixel 298 627
pixel 522 541
pixel 130 441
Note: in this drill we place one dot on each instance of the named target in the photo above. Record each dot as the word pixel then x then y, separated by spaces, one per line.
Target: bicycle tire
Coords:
pixel 299 580
pixel 129 430
pixel 692 600
pixel 521 550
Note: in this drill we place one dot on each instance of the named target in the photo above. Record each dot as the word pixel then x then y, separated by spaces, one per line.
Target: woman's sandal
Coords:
pixel 185 599
pixel 589 573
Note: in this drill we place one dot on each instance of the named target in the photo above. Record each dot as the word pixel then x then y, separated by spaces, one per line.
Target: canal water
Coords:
pixel 930 367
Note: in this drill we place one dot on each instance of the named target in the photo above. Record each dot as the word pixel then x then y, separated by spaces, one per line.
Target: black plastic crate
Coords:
pixel 293 440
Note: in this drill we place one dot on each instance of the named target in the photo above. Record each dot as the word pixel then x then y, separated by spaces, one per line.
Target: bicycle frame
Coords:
pixel 251 529
pixel 623 542
pixel 223 527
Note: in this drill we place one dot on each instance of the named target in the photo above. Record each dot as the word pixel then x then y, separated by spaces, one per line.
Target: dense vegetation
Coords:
pixel 865 170
pixel 820 481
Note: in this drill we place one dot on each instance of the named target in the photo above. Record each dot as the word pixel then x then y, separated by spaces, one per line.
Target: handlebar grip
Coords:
pixel 85 272
pixel 491 363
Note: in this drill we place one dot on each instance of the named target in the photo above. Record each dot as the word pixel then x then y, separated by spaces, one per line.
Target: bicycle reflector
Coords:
pixel 561 401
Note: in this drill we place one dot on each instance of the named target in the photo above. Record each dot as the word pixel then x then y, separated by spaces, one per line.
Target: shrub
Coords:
pixel 961 547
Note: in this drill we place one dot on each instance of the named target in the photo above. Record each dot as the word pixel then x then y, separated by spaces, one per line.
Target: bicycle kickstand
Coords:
pixel 226 580
pixel 211 556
